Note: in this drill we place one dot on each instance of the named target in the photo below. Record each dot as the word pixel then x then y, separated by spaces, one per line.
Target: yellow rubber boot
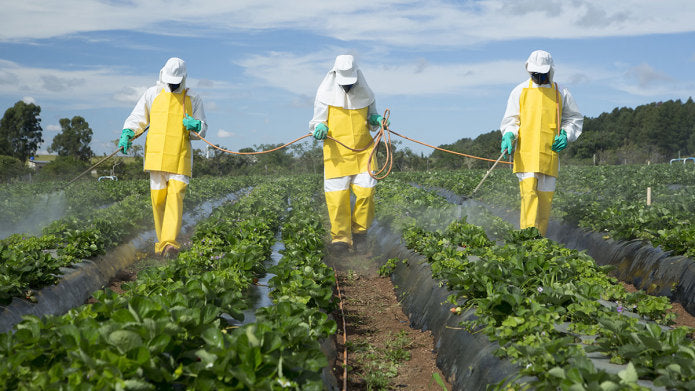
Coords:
pixel 338 203
pixel 545 201
pixel 173 213
pixel 363 213
pixel 529 203
pixel 159 198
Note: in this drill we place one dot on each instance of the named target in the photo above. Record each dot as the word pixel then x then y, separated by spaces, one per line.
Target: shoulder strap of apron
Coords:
pixel 184 102
pixel 557 108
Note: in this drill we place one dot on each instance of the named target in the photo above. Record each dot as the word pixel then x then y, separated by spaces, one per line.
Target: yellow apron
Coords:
pixel 538 125
pixel 350 128
pixel 168 146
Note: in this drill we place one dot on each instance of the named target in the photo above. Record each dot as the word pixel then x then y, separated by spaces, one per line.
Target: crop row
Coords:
pixel 549 308
pixel 19 200
pixel 31 262
pixel 152 333
pixel 168 329
pixel 302 292
pixel 611 200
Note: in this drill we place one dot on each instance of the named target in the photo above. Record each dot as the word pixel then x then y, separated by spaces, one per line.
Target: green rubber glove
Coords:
pixel 124 143
pixel 507 143
pixel 560 142
pixel 376 119
pixel 320 131
pixel 191 123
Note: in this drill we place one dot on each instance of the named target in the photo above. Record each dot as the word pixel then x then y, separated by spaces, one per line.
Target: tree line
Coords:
pixel 655 132
pixel 21 135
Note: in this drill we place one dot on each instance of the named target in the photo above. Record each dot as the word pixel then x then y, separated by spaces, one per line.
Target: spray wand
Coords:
pixel 101 161
pixel 487 173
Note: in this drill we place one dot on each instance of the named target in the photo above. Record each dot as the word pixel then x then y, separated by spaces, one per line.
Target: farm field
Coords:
pixel 607 199
pixel 553 312
pixel 547 315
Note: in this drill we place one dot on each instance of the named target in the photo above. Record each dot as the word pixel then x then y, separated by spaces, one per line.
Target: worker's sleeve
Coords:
pixel 572 119
pixel 320 115
pixel 139 118
pixel 371 111
pixel 199 114
pixel 510 120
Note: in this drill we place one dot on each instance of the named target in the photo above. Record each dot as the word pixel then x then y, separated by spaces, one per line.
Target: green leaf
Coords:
pixel 123 316
pixel 253 341
pixel 438 380
pixel 609 386
pixel 142 355
pixel 125 340
pixel 138 385
pixel 214 337
pixel 629 374
pixel 159 343
pixel 557 372
pixel 674 368
pixel 206 357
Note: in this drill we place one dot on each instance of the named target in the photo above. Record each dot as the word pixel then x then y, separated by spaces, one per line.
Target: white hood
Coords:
pixel 542 62
pixel 173 72
pixel 331 93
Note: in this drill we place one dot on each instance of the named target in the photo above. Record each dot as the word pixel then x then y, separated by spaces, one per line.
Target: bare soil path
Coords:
pixel 384 353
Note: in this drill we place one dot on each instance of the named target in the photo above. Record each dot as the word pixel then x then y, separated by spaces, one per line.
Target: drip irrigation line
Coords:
pixel 342 316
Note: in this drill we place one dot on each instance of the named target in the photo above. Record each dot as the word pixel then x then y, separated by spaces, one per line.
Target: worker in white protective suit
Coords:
pixel 542 117
pixel 345 110
pixel 171 111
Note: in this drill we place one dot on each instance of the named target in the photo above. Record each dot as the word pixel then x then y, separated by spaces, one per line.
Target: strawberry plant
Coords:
pixel 86 234
pixel 545 304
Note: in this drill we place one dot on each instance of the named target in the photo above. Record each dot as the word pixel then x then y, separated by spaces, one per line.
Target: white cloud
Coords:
pixel 29 100
pixel 225 134
pixel 644 80
pixel 409 23
pixel 52 128
pixel 416 78
pixel 302 74
pixel 87 88
pixel 205 83
pixel 210 105
pixel 129 95
pixel 645 75
pixel 297 73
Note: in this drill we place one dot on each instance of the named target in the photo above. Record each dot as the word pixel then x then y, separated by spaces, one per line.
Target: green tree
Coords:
pixel 308 156
pixel 74 139
pixel 11 167
pixel 63 167
pixel 20 131
pixel 273 163
pixel 486 145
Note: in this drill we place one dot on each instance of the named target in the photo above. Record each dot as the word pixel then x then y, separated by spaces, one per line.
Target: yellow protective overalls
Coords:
pixel 168 149
pixel 539 121
pixel 349 126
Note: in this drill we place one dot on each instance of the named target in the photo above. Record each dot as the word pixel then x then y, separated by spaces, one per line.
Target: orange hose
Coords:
pixel 383 133
pixel 250 153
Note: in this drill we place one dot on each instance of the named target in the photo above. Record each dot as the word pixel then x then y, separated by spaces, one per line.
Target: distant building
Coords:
pixel 36 164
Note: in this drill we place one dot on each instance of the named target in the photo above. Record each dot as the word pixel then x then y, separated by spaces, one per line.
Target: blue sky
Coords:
pixel 443 68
